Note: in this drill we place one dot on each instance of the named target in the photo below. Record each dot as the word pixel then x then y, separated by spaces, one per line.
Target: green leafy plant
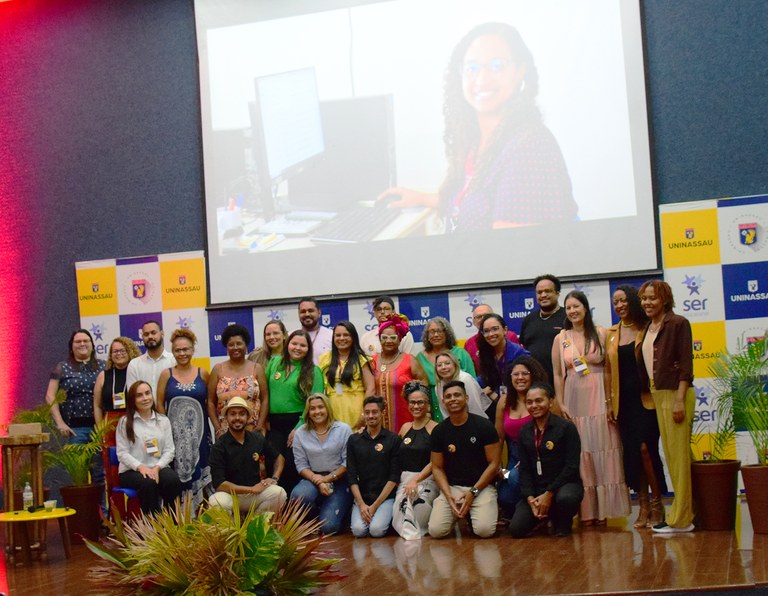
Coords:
pixel 217 553
pixel 77 458
pixel 740 381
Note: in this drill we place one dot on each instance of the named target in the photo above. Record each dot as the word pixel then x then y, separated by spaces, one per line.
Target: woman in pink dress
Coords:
pixel 578 357
pixel 393 369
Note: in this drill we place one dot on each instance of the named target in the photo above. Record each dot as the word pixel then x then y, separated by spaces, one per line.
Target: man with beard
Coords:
pixel 235 466
pixel 540 327
pixel 550 450
pixel 465 459
pixel 321 337
pixel 154 361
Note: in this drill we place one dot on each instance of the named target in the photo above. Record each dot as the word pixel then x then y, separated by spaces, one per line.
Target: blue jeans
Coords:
pixel 333 510
pixel 509 491
pixel 83 436
pixel 380 523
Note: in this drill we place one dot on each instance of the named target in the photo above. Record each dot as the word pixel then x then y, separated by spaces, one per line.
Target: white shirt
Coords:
pixel 156 430
pixel 322 339
pixel 477 401
pixel 371 344
pixel 146 368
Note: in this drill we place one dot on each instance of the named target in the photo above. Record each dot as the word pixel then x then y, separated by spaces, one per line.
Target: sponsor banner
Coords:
pixel 708 343
pixel 745 288
pixel 194 319
pixel 420 308
pixel 131 324
pixel 516 304
pixel 698 292
pixel 104 329
pixel 743 229
pixel 629 281
pixel 461 304
pixel 218 321
pixel 705 415
pixel 361 314
pixel 287 313
pixel 96 288
pixel 742 332
pixel 138 285
pixel 333 311
pixel 598 295
pixel 183 283
pixel 690 236
pixel 204 363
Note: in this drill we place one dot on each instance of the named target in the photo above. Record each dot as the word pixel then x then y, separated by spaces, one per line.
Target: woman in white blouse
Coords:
pixel 145 451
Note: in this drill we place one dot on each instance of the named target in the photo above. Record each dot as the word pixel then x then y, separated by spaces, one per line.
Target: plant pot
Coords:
pixel 86 501
pixel 756 485
pixel 715 488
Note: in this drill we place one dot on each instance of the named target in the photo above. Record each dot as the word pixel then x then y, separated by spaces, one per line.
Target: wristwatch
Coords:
pixel 275 478
pixel 475 491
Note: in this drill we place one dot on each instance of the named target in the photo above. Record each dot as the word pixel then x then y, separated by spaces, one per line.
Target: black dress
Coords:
pixel 637 425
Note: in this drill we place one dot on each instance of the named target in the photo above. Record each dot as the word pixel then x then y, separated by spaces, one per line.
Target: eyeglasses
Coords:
pixel 494 66
pixel 386 308
pixel 183 350
pixel 491 330
pixel 119 352
pixel 522 373
pixel 417 402
pixel 388 338
pixel 435 332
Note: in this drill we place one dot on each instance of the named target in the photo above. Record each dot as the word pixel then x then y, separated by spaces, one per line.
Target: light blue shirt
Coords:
pixel 309 452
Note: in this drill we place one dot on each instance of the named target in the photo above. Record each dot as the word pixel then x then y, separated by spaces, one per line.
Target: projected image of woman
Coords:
pixel 505 167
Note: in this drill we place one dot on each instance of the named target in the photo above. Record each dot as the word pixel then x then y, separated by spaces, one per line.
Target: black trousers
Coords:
pixel 150 492
pixel 564 506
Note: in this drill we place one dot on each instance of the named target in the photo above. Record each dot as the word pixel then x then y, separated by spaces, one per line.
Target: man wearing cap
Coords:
pixel 235 460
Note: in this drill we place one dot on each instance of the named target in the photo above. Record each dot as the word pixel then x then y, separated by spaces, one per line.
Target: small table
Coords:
pixel 25 517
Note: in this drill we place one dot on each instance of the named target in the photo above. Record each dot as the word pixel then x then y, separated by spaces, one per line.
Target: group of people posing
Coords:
pixel 371 432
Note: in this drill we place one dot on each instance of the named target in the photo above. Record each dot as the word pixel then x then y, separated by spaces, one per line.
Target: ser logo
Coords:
pixel 693 284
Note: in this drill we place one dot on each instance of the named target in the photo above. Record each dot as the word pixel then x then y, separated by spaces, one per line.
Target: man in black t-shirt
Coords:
pixel 540 327
pixel 235 466
pixel 465 458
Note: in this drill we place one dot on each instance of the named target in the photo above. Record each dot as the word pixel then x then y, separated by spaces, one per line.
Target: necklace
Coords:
pixel 325 432
pixel 630 326
pixel 543 318
pixel 383 365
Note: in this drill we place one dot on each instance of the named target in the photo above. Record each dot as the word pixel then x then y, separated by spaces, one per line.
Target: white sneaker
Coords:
pixel 663 528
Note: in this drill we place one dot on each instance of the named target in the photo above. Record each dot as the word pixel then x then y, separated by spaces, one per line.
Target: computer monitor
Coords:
pixel 286 123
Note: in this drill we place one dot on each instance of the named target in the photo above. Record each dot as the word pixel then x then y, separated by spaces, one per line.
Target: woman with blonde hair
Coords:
pixel 320 453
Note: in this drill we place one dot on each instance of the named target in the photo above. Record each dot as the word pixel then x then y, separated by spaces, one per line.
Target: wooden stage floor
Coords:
pixel 610 560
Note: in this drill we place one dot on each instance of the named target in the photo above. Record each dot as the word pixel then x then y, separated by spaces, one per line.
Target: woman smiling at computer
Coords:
pixel 505 167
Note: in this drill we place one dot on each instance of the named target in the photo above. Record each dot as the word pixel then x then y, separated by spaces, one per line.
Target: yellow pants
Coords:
pixel 676 440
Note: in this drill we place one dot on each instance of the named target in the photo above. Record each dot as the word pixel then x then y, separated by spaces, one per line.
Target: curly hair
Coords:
pixel 450 336
pixel 663 291
pixel 462 132
pixel 636 313
pixel 130 347
pixel 184 334
pixel 534 367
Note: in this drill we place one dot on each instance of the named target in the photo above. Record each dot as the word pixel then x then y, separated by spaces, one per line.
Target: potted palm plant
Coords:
pixel 82 495
pixel 741 382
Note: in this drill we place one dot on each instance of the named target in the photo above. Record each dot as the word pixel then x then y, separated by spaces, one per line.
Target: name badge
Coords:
pixel 580 366
pixel 152 447
pixel 339 388
pixel 538 467
pixel 118 401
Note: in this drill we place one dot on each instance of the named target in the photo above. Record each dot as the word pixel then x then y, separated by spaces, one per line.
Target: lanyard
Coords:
pixel 538 437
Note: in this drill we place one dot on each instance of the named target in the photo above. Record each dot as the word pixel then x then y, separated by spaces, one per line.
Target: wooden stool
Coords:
pixel 30 442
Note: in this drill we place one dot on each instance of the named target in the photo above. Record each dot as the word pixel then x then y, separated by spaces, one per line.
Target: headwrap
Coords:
pixel 398 322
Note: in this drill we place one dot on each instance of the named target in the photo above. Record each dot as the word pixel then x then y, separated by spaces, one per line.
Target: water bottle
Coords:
pixel 27 498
